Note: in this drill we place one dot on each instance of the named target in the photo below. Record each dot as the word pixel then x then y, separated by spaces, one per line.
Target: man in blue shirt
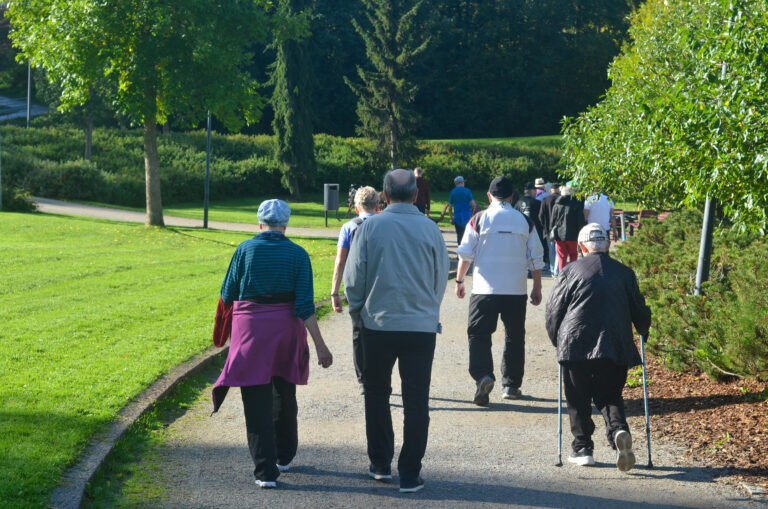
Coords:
pixel 462 204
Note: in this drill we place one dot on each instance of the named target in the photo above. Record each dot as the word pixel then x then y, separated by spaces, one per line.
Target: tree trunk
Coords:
pixel 88 128
pixel 152 174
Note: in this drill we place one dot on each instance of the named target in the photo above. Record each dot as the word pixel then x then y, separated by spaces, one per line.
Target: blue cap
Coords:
pixel 274 213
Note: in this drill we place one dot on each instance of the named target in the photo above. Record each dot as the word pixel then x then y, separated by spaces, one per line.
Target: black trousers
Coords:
pixel 357 354
pixel 484 311
pixel 601 381
pixel 271 423
pixel 459 232
pixel 414 352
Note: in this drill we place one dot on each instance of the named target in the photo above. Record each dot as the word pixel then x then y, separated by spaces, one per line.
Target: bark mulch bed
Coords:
pixel 723 425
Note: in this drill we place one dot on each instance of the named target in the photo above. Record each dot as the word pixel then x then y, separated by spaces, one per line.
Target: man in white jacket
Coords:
pixel 504 246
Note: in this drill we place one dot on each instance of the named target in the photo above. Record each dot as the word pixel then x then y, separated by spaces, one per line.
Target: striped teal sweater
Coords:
pixel 269 264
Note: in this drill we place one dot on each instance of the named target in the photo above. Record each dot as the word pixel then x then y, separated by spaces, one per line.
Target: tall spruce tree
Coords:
pixel 392 44
pixel 291 102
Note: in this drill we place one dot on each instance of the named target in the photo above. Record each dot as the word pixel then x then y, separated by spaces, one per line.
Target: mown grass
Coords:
pixel 93 312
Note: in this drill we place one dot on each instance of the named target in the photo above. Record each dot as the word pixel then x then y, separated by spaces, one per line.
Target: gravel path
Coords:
pixel 49 206
pixel 500 456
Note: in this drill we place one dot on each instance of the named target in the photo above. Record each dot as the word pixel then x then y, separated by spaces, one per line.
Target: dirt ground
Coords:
pixel 719 424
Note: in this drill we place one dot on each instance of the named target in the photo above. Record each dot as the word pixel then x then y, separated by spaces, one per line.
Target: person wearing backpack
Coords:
pixel 566 221
pixel 504 245
pixel 366 205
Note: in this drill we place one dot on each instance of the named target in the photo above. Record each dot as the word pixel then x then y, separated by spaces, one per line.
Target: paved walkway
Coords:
pixel 17 108
pixel 502 456
pixel 49 206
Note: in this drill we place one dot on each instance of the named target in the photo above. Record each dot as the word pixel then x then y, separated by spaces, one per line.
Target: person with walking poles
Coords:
pixel 589 318
pixel 366 205
pixel 460 206
pixel 504 245
pixel 394 281
pixel 268 289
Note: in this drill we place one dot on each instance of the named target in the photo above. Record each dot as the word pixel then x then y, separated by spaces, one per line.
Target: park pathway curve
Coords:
pixel 502 456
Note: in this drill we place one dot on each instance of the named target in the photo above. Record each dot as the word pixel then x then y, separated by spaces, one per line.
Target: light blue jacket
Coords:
pixel 396 272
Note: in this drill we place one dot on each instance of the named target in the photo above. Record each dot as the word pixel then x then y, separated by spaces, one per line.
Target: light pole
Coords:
pixel 29 92
pixel 207 172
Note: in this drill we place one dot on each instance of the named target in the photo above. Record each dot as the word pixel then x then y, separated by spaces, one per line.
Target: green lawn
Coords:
pixel 93 312
pixel 554 140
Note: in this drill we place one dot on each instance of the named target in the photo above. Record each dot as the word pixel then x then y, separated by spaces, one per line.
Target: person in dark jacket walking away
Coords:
pixel 589 318
pixel 545 215
pixel 564 224
pixel 530 207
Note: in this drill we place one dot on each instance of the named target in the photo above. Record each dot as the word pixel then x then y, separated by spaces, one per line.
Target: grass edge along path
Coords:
pixel 94 312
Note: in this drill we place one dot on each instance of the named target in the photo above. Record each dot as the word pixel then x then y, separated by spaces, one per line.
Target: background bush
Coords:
pixel 47 162
pixel 723 332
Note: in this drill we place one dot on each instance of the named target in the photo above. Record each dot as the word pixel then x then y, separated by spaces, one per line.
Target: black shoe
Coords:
pixel 484 387
pixel 582 457
pixel 412 487
pixel 511 393
pixel 380 474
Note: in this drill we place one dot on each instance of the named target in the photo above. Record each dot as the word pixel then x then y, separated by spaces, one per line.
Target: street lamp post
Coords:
pixel 29 92
pixel 207 172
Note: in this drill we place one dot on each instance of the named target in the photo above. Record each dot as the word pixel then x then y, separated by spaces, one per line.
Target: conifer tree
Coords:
pixel 291 102
pixel 392 44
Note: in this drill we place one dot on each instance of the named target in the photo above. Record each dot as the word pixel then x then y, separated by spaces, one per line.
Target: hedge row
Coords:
pixel 48 162
pixel 725 331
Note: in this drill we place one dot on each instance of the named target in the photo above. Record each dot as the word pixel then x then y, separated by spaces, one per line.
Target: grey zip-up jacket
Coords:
pixel 396 272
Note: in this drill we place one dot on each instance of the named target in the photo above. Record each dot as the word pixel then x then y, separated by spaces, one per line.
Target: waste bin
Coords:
pixel 330 199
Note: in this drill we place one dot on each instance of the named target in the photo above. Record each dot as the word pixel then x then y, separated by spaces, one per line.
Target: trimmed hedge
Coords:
pixel 725 331
pixel 48 162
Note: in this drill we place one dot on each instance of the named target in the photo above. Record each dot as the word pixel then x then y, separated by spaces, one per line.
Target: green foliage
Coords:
pixel 724 331
pixel 93 312
pixel 393 42
pixel 676 125
pixel 17 200
pixel 292 123
pixel 42 160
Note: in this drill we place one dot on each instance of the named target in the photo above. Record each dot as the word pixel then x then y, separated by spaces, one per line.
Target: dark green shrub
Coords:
pixel 725 331
pixel 17 200
pixel 48 162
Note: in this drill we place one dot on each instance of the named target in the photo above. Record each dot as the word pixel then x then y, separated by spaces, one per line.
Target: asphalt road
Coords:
pixel 502 456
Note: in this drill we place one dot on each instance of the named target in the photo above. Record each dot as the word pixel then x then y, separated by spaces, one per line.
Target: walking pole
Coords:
pixel 560 417
pixel 645 402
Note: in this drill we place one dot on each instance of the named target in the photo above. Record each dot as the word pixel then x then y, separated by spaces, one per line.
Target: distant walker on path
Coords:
pixel 395 278
pixel 589 319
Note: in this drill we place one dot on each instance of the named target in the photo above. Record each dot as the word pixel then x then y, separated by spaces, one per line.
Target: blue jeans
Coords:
pixel 553 266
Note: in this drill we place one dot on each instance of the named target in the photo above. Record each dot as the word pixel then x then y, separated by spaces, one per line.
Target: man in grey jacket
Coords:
pixel 589 318
pixel 395 278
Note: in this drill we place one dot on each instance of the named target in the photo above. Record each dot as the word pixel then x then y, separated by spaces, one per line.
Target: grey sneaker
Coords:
pixel 625 458
pixel 484 387
pixel 282 468
pixel 582 457
pixel 411 487
pixel 511 393
pixel 379 474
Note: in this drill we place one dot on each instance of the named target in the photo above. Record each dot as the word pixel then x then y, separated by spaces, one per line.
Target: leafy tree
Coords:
pixel 153 58
pixel 676 126
pixel 392 43
pixel 292 123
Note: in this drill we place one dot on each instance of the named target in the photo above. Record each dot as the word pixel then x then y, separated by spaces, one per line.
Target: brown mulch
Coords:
pixel 720 424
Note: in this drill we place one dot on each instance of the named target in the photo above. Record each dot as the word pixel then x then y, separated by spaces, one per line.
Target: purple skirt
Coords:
pixel 267 340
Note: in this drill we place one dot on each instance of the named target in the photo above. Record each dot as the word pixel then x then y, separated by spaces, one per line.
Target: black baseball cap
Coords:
pixel 529 186
pixel 501 187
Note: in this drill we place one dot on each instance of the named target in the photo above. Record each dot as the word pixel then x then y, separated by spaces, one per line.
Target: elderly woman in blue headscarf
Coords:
pixel 269 284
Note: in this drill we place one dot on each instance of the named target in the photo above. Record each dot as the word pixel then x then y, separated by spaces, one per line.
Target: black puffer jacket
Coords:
pixel 591 311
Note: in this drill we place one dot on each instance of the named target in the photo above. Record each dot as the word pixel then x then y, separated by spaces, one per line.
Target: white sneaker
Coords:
pixel 282 468
pixel 625 458
pixel 582 458
pixel 266 485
